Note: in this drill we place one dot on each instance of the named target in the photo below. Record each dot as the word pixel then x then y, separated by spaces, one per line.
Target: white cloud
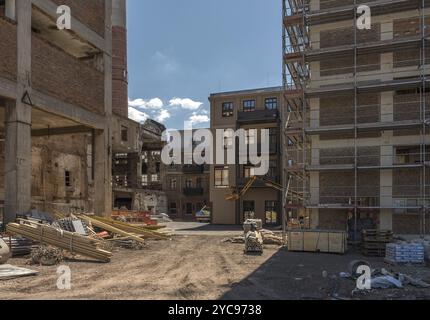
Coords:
pixel 185 103
pixel 199 119
pixel 137 115
pixel 153 104
pixel 163 116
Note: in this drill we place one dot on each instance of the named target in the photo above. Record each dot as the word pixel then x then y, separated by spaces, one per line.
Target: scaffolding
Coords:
pixel 328 59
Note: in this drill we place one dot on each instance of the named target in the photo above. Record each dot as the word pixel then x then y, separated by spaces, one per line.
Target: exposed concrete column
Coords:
pixel 386 181
pixel 387 106
pixel 18 124
pixel 315 112
pixel 102 150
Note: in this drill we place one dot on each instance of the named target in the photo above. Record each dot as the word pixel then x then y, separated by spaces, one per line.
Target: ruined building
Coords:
pixel 56 106
pixel 356 140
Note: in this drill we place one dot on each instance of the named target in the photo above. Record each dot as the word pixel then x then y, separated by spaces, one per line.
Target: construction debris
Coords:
pixel 72 224
pixel 5 253
pixel 125 228
pixel 8 272
pixel 19 246
pixel 73 242
pixel 253 242
pixel 46 256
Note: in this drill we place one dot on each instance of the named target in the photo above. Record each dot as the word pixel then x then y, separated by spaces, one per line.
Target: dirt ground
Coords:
pixel 202 267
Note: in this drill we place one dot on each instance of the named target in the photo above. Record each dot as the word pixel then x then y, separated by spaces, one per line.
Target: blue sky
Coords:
pixel 180 51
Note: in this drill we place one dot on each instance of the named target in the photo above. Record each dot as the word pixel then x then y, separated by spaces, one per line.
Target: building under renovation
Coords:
pixel 356 140
pixel 252 111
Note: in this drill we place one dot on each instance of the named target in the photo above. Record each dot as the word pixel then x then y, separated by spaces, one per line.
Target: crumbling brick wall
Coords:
pixel 8 49
pixel 60 75
pixel 51 158
pixel 89 12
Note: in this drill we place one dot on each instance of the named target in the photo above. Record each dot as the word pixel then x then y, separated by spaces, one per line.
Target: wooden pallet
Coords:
pixel 373 252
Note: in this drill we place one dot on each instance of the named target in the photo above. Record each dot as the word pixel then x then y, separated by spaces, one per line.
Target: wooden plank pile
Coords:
pixel 375 242
pixel 126 229
pixel 72 242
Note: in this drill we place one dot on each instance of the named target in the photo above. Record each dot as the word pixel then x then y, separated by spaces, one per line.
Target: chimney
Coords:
pixel 119 58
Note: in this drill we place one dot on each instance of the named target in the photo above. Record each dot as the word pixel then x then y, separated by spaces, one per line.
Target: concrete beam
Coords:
pixel 81 30
pixel 7 88
pixel 78 114
pixel 18 125
pixel 60 131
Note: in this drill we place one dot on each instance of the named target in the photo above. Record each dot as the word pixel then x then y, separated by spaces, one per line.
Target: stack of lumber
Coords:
pixel 375 242
pixel 69 241
pixel 125 228
pixel 109 227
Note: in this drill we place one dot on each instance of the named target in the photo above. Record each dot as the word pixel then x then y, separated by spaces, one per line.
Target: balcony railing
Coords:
pixel 257 116
pixel 193 192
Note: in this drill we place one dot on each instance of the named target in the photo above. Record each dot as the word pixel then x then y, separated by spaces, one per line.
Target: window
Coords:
pixel 248 105
pixel 227 109
pixel 273 169
pixel 271 104
pixel 173 209
pixel 67 179
pixel 271 208
pixel 189 183
pixel 248 172
pixel 144 180
pixel 250 136
pixel 189 210
pixel 155 178
pixel 228 139
pixel 248 210
pixel 173 184
pixel 221 177
pixel 199 183
pixel 273 140
pixel 124 134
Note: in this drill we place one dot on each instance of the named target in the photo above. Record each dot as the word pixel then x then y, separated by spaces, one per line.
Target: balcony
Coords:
pixel 193 192
pixel 258 116
pixel 193 169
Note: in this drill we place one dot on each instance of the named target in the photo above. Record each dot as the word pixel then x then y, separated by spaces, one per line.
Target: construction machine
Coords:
pixel 235 196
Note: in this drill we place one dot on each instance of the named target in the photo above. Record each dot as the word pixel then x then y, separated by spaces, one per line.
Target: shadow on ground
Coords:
pixel 299 276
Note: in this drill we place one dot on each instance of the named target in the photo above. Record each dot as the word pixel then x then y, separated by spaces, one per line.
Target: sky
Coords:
pixel 181 51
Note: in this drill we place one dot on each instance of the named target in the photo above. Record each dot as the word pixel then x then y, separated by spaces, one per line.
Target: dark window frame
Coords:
pixel 248 105
pixel 271 103
pixel 227 109
pixel 124 134
pixel 222 183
